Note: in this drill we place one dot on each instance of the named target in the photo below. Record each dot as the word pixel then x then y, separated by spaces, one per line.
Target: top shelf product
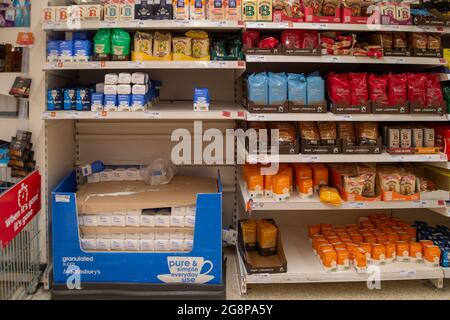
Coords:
pixel 237 14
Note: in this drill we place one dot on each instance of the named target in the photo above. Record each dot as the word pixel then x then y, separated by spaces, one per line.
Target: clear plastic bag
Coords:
pixel 160 171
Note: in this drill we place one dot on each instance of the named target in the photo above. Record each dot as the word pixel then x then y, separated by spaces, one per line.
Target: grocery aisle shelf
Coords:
pixel 124 65
pixel 161 111
pixel 444 165
pixel 145 24
pixel 235 25
pixel 304 267
pixel 7 80
pixel 344 59
pixel 383 157
pixel 343 27
pixel 296 203
pixel 342 117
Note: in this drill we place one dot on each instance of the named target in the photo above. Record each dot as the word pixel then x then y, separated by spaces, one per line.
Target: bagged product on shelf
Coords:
pixel 434 42
pixel 378 89
pixel 359 94
pixel 309 39
pixel 346 131
pixel 328 132
pixel 329 7
pixel 434 95
pixel 197 10
pixel 338 86
pixel 330 196
pixel 315 88
pixel 102 45
pixel 162 10
pixel 369 175
pixel 143 42
pixel 162 45
pixel 268 186
pixel 216 10
pixel 159 172
pixel 418 40
pixel 432 255
pixel 397 89
pixel 389 181
pixel 354 185
pixel 181 9
pixel 291 39
pixel 268 42
pixel 309 131
pixel 258 88
pixel 82 50
pixel 255 185
pixel 286 131
pixel 277 88
pixel 399 40
pixel 143 9
pixel 315 4
pixel 287 10
pixel 281 187
pixel 408 184
pixel 416 88
pixel 305 188
pixel 182 45
pixel 233 10
pixel 296 88
pixel 367 133
pixel 200 44
pixel 249 232
pixel 251 38
pixel 267 234
pixel 354 5
pixel 120 45
pixel 70 99
pixel 66 51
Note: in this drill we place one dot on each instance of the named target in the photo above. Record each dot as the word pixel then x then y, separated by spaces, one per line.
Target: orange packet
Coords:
pixel 302 171
pixel 317 243
pixel 393 237
pixel 425 243
pixel 412 232
pixel 432 256
pixel 415 251
pixel 325 227
pixel 404 236
pixel 402 250
pixel 356 237
pixel 329 260
pixel 390 248
pixel 320 176
pixel 339 245
pixel 360 261
pixel 370 238
pixel 305 187
pixel 313 229
pixel 351 247
pixel 378 253
pixel 381 237
pixel 343 258
pixel 268 186
pixel 281 187
pixel 255 182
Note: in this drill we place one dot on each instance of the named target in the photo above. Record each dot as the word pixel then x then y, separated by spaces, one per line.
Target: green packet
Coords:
pixel 102 45
pixel 120 45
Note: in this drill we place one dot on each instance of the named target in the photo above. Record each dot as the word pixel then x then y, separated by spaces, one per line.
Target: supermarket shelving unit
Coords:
pixel 73 138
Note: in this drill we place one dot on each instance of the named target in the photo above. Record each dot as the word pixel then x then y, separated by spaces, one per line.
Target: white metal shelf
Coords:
pixel 443 165
pixel 235 25
pixel 343 27
pixel 145 24
pixel 124 65
pixel 342 117
pixel 296 203
pixel 342 158
pixel 304 267
pixel 161 111
pixel 9 35
pixel 345 59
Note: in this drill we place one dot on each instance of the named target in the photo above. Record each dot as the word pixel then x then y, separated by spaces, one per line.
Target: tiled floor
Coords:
pixel 317 291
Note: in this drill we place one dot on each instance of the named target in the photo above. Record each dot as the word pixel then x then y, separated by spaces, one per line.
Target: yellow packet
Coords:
pixel 330 195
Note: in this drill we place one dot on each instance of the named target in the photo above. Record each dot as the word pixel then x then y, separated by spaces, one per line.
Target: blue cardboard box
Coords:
pixel 203 265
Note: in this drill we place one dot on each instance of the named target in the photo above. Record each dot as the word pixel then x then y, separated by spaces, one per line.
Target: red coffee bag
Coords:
pixel 338 86
pixel 397 90
pixel 378 89
pixel 416 88
pixel 434 95
pixel 359 94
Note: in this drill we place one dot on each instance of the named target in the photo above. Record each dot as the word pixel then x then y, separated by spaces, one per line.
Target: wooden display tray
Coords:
pixel 306 147
pixel 255 263
pixel 312 108
pixel 349 149
pixel 348 109
pixel 348 18
pixel 398 109
pixel 311 17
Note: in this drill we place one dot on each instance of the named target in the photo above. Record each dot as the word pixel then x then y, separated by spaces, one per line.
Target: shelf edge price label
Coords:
pixel 218 64
pixel 256 117
pixel 135 64
pixel 46 115
pixel 226 114
pixel 407 273
pixel 152 114
pixel 356 205
pixel 343 117
pixel 420 204
pixel 50 65
pixel 332 59
pixel 320 26
pixel 309 158
pixel 72 115
pixel 136 23
pixel 108 24
pixel 395 59
pixel 262 277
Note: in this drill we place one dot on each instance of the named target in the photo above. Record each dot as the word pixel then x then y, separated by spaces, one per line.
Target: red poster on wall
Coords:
pixel 18 206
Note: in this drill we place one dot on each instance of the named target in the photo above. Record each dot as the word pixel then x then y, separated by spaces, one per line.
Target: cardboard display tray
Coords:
pixel 301 52
pixel 254 263
pixel 429 21
pixel 312 108
pixel 438 110
pixel 349 149
pixel 254 108
pixel 398 109
pixel 427 53
pixel 348 109
pixel 138 291
pixel 404 52
pixel 263 51
pixel 308 148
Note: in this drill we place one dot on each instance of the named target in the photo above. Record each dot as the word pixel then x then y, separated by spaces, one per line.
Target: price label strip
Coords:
pixel 152 114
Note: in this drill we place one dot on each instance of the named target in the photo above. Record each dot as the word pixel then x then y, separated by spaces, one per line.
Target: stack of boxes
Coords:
pixel 160 230
pixel 77 49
